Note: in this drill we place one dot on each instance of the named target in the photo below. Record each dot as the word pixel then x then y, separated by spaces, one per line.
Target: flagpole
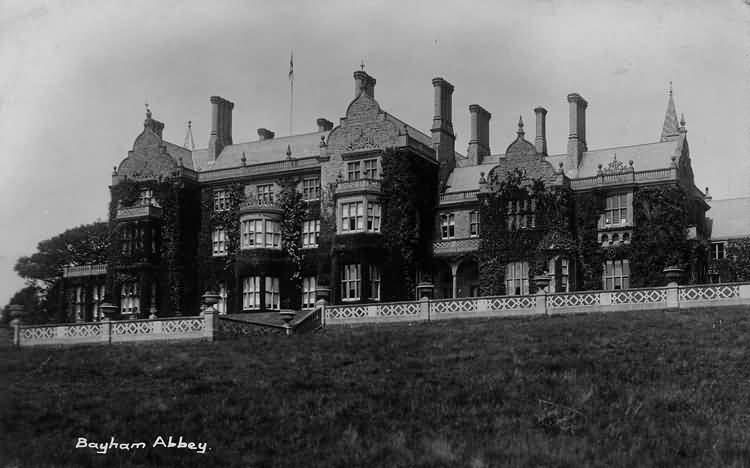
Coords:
pixel 291 91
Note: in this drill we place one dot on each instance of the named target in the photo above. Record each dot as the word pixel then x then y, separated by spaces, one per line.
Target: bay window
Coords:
pixel 350 282
pixel 371 169
pixel 351 216
pixel 373 217
pixel 517 278
pixel 251 293
pixel 616 274
pixel 352 170
pixel 273 299
pixel 308 292
pixel 260 233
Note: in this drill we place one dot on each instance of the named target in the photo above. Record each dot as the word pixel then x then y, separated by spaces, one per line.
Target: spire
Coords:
pixel 189 142
pixel 520 127
pixel 670 129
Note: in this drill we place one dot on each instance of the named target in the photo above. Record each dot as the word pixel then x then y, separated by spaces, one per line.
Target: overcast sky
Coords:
pixel 74 77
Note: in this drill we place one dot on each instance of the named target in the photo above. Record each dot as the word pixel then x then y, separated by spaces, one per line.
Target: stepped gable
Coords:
pixel 522 154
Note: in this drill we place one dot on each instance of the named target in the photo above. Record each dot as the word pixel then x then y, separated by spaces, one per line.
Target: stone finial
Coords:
pixel 599 169
pixel 244 159
pixel 179 160
pixel 148 112
pixel 674 161
pixel 682 119
pixel 630 164
pixel 560 169
pixel 323 141
pixel 482 180
pixel 288 151
pixel 520 127
pixel 114 170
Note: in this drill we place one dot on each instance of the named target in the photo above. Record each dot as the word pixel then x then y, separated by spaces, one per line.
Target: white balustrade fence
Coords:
pixel 178 328
pixel 668 297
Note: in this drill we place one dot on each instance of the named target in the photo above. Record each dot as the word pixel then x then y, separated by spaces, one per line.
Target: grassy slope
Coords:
pixel 630 389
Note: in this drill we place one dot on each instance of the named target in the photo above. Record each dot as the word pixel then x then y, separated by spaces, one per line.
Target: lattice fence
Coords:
pixel 399 309
pixel 38 333
pixel 511 303
pixel 346 312
pixel 639 296
pixel 709 293
pixel 454 305
pixel 84 330
pixel 183 326
pixel 573 300
pixel 132 328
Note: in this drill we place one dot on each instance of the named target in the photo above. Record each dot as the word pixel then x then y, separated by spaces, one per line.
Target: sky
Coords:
pixel 75 76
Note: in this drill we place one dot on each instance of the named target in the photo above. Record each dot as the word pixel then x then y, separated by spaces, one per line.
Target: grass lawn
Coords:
pixel 666 389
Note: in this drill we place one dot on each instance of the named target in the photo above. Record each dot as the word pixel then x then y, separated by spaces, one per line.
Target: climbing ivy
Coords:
pixel 212 269
pixel 409 198
pixel 294 213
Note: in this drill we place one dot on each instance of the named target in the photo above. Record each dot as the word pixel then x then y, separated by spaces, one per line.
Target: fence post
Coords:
pixel 16 332
pixel 108 328
pixel 424 308
pixel 540 302
pixel 209 322
pixel 673 296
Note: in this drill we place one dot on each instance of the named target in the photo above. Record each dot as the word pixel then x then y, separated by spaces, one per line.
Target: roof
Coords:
pixel 413 132
pixel 177 152
pixel 467 178
pixel 730 218
pixel 646 156
pixel 261 151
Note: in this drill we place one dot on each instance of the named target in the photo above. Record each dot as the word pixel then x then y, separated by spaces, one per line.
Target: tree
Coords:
pixel 85 244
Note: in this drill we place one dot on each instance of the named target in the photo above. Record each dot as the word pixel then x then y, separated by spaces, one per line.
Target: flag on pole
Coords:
pixel 291 66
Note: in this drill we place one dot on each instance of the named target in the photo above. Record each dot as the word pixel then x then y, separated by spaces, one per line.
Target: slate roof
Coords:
pixel 730 218
pixel 646 156
pixel 261 151
pixel 467 178
pixel 413 132
pixel 177 152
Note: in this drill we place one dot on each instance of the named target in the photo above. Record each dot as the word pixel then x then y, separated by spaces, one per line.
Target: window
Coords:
pixel 616 274
pixel 520 214
pixel 311 188
pixel 559 270
pixel 517 278
pixel 127 241
pixel 474 223
pixel 564 275
pixel 448 225
pixel 273 234
pixel 154 236
pixel 260 233
pixel 265 194
pixel 145 197
pixel 373 217
pixel 308 292
pixel 98 298
pixel 251 293
pixel 371 169
pixel 352 170
pixel 350 281
pixel 310 233
pixel 272 293
pixel 219 242
pixel 351 216
pixel 374 283
pixel 616 211
pixel 221 200
pixel 718 250
pixel 221 306
pixel 129 299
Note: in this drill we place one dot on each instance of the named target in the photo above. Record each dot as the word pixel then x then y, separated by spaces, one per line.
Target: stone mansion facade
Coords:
pixel 187 220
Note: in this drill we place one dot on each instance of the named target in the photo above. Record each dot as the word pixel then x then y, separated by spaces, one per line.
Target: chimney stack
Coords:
pixel 577 135
pixel 324 125
pixel 443 138
pixel 363 82
pixel 221 126
pixel 479 143
pixel 540 142
pixel 265 134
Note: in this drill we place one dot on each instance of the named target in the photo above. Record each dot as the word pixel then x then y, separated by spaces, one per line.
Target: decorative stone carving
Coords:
pixel 363 141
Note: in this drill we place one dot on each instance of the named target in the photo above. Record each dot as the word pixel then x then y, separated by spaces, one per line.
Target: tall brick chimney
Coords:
pixel 221 126
pixel 479 142
pixel 540 142
pixel 443 138
pixel 324 125
pixel 364 82
pixel 265 134
pixel 577 135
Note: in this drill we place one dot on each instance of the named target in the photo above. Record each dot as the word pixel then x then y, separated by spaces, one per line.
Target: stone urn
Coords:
pixel 425 289
pixel 674 274
pixel 541 282
pixel 210 299
pixel 323 292
pixel 108 310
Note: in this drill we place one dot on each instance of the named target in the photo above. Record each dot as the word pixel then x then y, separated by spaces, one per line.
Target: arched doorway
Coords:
pixel 467 278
